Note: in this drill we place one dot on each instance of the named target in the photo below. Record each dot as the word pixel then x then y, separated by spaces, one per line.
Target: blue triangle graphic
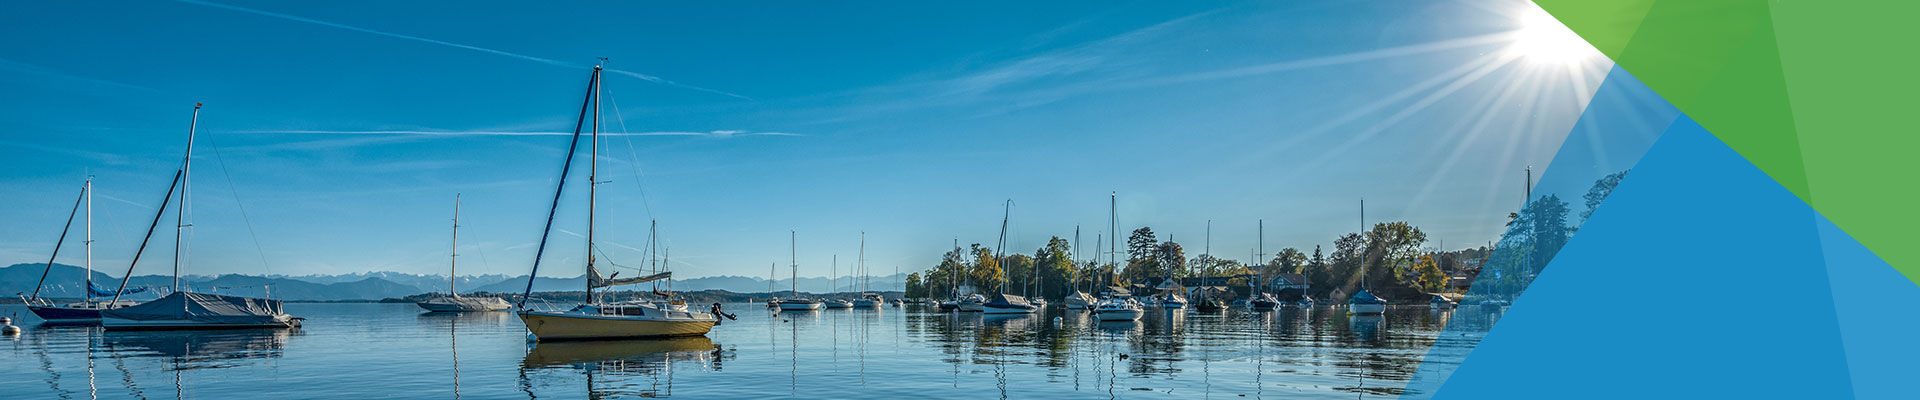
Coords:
pixel 1876 324
pixel 1699 278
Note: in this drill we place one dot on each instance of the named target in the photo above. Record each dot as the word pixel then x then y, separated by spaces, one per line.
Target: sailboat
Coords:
pixel 796 303
pixel 1363 302
pixel 595 319
pixel 867 298
pixel 1005 303
pixel 183 309
pixel 832 286
pixel 1079 300
pixel 453 302
pixel 1208 302
pixel 88 310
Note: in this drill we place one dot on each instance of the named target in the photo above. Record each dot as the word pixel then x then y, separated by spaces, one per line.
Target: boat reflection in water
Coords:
pixel 621 368
pixel 201 349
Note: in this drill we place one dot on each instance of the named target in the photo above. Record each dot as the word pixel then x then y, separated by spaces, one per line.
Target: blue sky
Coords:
pixel 345 130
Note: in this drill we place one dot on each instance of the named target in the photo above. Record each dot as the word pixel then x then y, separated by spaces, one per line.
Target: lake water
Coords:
pixel 397 351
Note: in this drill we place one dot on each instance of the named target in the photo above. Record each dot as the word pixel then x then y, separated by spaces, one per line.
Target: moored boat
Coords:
pixel 1118 309
pixel 1009 304
pixel 1264 302
pixel 1365 303
pixel 596 319
pixel 453 302
pixel 184 309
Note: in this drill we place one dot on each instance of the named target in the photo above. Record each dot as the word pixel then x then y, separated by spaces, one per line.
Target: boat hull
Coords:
pixel 799 306
pixel 1367 309
pixel 554 326
pixel 866 304
pixel 464 306
pixel 179 324
pixel 1009 310
pixel 1118 315
pixel 973 307
pixel 1264 305
pixel 66 315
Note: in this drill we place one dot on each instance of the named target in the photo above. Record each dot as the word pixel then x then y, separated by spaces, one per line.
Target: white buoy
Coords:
pixel 5 321
pixel 10 330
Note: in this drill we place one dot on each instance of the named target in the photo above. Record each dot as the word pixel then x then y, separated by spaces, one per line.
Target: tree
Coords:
pixel 1318 274
pixel 1392 248
pixel 1547 229
pixel 1345 263
pixel 1019 269
pixel 1056 268
pixel 1141 244
pixel 947 276
pixel 1288 260
pixel 985 271
pixel 915 289
pixel 1599 192
pixel 1431 278
pixel 1171 260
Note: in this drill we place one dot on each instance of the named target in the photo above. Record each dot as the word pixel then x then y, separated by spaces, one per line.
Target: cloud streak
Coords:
pixel 722 134
pixel 542 60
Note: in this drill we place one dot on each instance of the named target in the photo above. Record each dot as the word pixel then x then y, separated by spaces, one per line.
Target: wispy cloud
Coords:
pixel 34 73
pixel 712 134
pixel 542 60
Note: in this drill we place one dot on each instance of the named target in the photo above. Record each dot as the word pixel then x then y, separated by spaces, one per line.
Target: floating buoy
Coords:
pixel 5 321
pixel 1056 320
pixel 10 330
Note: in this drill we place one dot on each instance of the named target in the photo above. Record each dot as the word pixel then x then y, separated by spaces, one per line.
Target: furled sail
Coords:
pixel 598 282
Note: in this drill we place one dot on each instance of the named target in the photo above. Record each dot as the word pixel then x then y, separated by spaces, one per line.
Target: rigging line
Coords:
pixel 634 156
pixel 240 204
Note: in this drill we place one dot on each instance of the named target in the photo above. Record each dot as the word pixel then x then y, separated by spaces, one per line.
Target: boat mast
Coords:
pixel 593 179
pixel 1113 227
pixel 794 258
pixel 453 255
pixel 1074 269
pixel 186 184
pixel 89 243
pixel 1000 251
pixel 864 287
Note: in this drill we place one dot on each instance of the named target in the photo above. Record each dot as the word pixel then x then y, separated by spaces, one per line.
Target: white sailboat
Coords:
pixel 796 303
pixel 833 281
pixel 867 298
pixel 453 302
pixel 183 309
pixel 595 319
pixel 1118 308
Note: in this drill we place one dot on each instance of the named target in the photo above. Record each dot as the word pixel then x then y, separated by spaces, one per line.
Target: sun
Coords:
pixel 1541 39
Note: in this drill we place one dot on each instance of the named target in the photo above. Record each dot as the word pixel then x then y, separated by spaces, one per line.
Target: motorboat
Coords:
pixel 1304 302
pixel 1441 303
pixel 837 303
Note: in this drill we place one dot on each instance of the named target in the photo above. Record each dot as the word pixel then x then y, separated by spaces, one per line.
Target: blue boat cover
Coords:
pixel 1362 297
pixel 1009 301
pixel 203 307
pixel 103 292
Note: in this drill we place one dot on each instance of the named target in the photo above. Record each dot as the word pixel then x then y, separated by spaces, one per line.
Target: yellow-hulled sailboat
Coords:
pixel 596 319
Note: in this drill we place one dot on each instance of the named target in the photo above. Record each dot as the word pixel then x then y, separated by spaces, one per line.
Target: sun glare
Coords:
pixel 1541 39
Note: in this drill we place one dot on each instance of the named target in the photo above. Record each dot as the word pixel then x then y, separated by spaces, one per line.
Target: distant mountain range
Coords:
pixel 67 281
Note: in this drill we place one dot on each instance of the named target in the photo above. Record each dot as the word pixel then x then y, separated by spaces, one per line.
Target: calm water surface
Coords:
pixel 397 351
